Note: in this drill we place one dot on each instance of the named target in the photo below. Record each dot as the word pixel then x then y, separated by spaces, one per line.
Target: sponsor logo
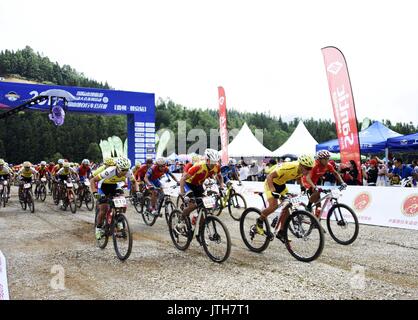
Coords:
pixel 12 96
pixel 221 101
pixel 334 67
pixel 362 201
pixel 410 205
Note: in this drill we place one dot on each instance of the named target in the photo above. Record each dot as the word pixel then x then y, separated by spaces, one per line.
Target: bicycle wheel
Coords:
pixel 80 199
pixel 2 198
pixel 42 193
pixel 236 206
pixel 180 230
pixel 254 241
pixel 30 202
pixel 122 237
pixel 55 195
pixel 168 208
pixel 304 236
pixel 147 216
pixel 217 210
pixel 342 224
pixel 215 239
pixel 23 201
pixel 71 202
pixel 89 200
pixel 37 192
pixel 137 204
pixel 102 243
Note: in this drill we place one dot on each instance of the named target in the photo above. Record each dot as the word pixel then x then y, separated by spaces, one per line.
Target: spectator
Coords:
pixel 253 171
pixel 353 173
pixel 401 170
pixel 243 172
pixel 382 179
pixel 329 178
pixel 370 174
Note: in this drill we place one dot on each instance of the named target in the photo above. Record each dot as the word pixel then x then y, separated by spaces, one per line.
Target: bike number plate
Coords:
pixel 43 179
pixel 120 202
pixel 209 202
pixel 69 185
pixel 26 185
pixel 296 200
pixel 87 183
pixel 5 182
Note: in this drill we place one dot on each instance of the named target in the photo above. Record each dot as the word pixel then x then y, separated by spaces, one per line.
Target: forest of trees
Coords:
pixel 32 136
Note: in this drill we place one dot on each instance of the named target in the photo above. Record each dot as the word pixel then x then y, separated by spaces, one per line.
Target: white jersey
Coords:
pixel 27 173
pixel 62 172
pixel 5 170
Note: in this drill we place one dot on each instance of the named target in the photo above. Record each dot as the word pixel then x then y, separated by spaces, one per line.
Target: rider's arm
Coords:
pixel 172 175
pixel 309 180
pixel 183 182
pixel 93 182
pixel 220 180
pixel 269 180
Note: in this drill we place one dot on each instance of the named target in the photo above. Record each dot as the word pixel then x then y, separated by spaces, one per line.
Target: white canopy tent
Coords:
pixel 245 144
pixel 300 142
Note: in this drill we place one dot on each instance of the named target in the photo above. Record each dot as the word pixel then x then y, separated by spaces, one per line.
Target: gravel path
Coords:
pixel 34 243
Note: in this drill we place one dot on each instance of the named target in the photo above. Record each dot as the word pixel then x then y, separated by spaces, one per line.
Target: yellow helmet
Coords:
pixel 66 165
pixel 109 162
pixel 306 160
pixel 27 164
pixel 2 162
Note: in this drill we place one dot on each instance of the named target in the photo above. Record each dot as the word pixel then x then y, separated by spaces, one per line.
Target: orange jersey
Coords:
pixel 200 172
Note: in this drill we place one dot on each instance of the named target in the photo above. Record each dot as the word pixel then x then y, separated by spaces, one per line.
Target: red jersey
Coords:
pixel 317 172
pixel 141 172
pixel 84 171
pixel 50 168
pixel 42 171
pixel 200 172
pixel 155 173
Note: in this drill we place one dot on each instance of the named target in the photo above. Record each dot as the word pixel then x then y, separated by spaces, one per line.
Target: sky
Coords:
pixel 266 54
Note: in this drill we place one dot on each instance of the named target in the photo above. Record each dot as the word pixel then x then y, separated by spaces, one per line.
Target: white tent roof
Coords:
pixel 246 144
pixel 300 142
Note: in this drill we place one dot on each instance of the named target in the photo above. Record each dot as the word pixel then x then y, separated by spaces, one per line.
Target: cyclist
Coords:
pixel 195 178
pixel 109 187
pixel 276 182
pixel 230 172
pixel 25 175
pixel 5 175
pixel 141 172
pixel 84 170
pixel 64 173
pixel 58 167
pixel 321 167
pixel 42 170
pixel 108 162
pixel 152 178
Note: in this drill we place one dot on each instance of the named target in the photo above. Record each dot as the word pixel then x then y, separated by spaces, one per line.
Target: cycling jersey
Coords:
pixel 56 169
pixel 65 173
pixel 50 168
pixel 109 176
pixel 5 170
pixel 154 173
pixel 187 167
pixel 26 173
pixel 84 171
pixel 141 172
pixel 42 171
pixel 286 172
pixel 200 172
pixel 317 172
pixel 99 170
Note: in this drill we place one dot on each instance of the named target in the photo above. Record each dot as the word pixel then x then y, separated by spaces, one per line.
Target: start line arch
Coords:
pixel 137 106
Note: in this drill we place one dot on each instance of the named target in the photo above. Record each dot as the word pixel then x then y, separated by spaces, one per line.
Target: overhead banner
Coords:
pixel 223 130
pixel 4 289
pixel 343 106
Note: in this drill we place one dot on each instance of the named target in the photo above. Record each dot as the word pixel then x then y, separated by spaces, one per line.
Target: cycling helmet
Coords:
pixel 195 158
pixel 109 162
pixel 60 161
pixel 43 163
pixel 27 164
pixel 323 154
pixel 232 162
pixel 306 160
pixel 123 163
pixel 2 162
pixel 161 161
pixel 86 162
pixel 212 155
pixel 66 165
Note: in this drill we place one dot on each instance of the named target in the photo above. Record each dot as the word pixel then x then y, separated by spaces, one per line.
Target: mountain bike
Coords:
pixel 40 189
pixel 26 197
pixel 163 202
pixel 303 235
pixel 4 192
pixel 67 195
pixel 342 222
pixel 209 231
pixel 116 226
pixel 85 195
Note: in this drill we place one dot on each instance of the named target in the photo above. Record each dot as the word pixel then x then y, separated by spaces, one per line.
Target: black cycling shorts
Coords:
pixel 196 189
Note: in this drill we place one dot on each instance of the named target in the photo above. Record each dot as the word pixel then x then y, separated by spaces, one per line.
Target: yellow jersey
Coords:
pixel 27 173
pixel 99 170
pixel 286 172
pixel 109 176
pixel 6 170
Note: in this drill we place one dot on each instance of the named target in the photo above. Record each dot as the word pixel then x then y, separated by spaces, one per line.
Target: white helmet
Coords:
pixel 212 155
pixel 232 162
pixel 161 161
pixel 60 161
pixel 123 163
pixel 86 162
pixel 43 163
